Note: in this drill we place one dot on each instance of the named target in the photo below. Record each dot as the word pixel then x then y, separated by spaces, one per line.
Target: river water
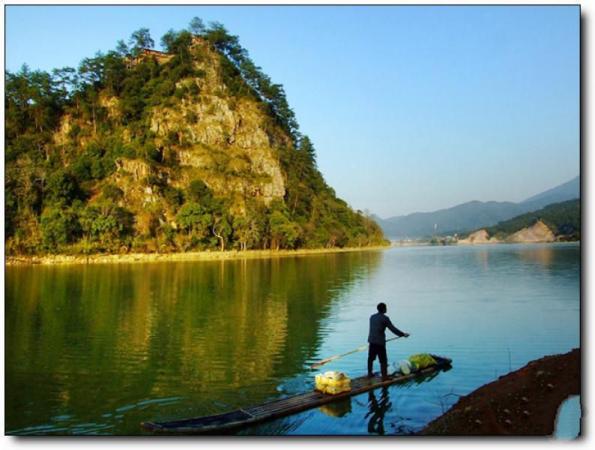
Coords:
pixel 98 349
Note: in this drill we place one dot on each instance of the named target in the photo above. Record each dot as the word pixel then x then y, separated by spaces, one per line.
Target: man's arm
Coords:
pixel 394 329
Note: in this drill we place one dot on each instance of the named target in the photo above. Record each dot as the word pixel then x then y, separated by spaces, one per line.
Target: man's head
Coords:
pixel 381 307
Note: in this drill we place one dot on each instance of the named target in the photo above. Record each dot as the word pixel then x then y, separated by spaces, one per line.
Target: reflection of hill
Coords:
pixel 106 336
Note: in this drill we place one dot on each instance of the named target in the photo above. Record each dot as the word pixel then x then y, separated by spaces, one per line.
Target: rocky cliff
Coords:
pixel 539 232
pixel 556 222
pixel 478 237
pixel 195 148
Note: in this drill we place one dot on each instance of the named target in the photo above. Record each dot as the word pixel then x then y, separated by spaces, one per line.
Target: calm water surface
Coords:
pixel 98 349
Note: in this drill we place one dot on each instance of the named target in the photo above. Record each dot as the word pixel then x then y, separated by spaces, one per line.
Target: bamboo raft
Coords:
pixel 217 424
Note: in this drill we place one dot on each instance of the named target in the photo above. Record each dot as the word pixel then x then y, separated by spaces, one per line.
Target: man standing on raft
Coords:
pixel 377 340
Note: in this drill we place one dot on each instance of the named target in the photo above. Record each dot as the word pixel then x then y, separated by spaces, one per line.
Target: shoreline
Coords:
pixel 524 402
pixel 216 255
pixel 127 258
pixel 479 244
pixel 471 244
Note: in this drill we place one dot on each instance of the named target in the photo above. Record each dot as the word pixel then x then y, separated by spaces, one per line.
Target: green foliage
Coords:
pixel 284 233
pixel 149 152
pixel 34 103
pixel 198 191
pixel 106 223
pixel 112 193
pixel 140 39
pixel 250 229
pixel 173 196
pixel 564 219
pixel 59 226
pixel 194 219
pixel 222 230
pixel 23 189
pixel 63 188
pixel 178 43
pixel 66 132
pixel 94 163
pixel 197 26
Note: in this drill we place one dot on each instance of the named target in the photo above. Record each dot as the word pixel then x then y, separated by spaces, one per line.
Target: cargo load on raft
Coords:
pixel 328 387
pixel 332 383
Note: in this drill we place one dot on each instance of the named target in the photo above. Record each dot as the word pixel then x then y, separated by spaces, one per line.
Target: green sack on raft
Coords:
pixel 422 360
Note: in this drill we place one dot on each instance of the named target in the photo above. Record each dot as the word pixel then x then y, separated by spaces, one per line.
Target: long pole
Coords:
pixel 361 348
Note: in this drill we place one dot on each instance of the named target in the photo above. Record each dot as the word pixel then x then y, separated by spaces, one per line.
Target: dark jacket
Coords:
pixel 378 323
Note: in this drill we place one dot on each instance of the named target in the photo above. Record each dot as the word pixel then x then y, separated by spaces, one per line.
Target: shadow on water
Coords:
pixel 93 349
pixel 376 411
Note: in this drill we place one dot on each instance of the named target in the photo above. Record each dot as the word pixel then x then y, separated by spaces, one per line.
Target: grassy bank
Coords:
pixel 188 256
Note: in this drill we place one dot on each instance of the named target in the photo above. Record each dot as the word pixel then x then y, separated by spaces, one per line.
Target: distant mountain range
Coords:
pixel 472 215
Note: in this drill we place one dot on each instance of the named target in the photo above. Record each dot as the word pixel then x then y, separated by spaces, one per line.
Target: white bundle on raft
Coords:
pixel 404 366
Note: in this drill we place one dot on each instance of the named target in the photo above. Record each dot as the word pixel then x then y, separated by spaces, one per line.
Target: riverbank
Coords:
pixel 187 256
pixel 443 242
pixel 524 402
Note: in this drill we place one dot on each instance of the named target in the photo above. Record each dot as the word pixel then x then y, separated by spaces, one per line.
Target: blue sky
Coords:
pixel 411 108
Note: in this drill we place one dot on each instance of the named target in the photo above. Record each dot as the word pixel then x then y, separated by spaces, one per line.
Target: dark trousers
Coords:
pixel 380 351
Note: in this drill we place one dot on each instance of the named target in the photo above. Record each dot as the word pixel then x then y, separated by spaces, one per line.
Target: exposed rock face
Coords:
pixel 221 131
pixel 231 143
pixel 478 237
pixel 129 176
pixel 196 149
pixel 539 232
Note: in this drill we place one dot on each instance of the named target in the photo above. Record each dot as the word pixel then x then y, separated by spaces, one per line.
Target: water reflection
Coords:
pixel 338 408
pixel 377 409
pixel 99 349
pixel 108 341
pixel 544 256
pixel 482 259
pixel 534 254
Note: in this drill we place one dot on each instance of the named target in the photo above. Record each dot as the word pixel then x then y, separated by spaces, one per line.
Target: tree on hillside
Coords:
pixel 59 226
pixel 283 232
pixel 199 192
pixel 122 49
pixel 106 223
pixel 140 39
pixel 168 39
pixel 63 188
pixel 66 81
pixel 195 220
pixel 178 43
pixel 197 26
pixel 33 106
pixel 248 230
pixel 221 229
pixel 307 148
pixel 114 73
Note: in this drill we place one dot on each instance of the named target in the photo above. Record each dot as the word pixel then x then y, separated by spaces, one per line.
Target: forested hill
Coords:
pixel 563 219
pixel 192 148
